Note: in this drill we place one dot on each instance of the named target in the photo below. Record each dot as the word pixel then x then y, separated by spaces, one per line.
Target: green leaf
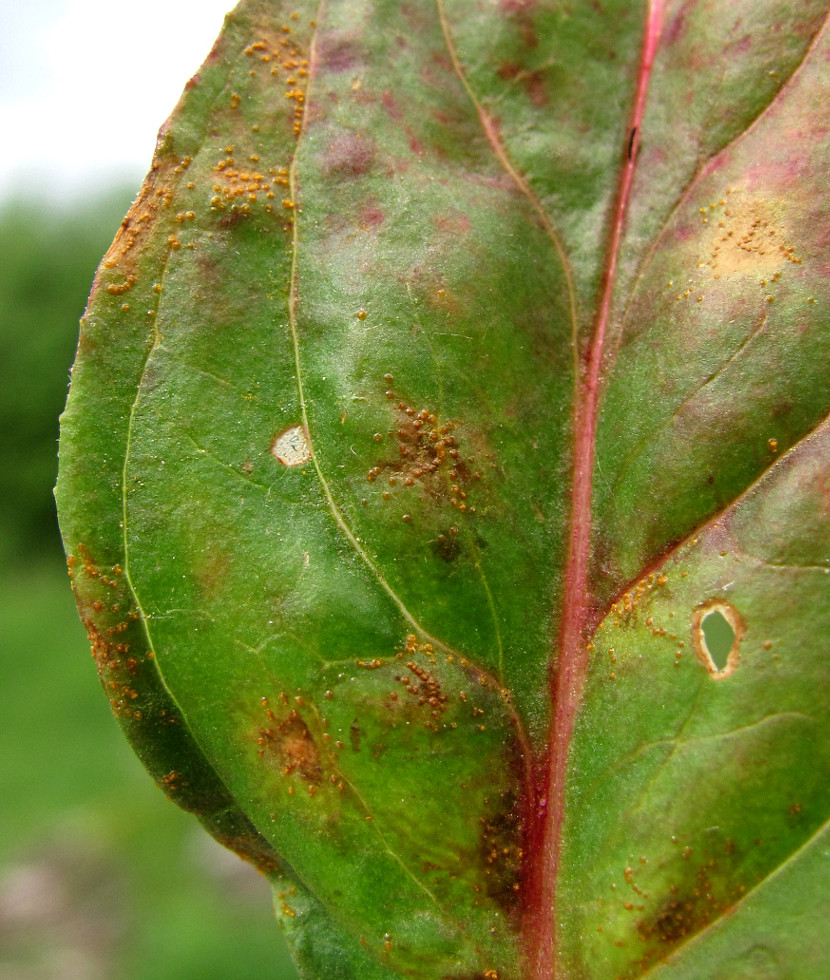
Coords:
pixel 457 375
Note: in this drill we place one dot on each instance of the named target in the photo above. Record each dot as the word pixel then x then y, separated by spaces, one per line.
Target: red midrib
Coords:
pixel 544 834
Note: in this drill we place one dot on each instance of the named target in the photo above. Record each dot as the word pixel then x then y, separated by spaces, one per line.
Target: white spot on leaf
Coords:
pixel 291 446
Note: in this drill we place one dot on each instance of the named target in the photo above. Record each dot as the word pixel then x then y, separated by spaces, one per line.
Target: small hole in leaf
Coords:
pixel 717 629
pixel 718 636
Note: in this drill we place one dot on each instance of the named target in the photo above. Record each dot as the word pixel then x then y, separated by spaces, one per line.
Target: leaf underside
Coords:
pixel 458 372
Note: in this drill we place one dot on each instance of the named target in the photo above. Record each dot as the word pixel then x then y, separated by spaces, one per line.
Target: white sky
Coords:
pixel 85 85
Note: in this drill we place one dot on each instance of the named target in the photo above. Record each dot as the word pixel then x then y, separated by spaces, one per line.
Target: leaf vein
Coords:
pixel 490 131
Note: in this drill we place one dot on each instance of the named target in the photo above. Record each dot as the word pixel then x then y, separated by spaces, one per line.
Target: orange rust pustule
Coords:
pixel 428 457
pixel 290 742
pixel 108 629
pixel 704 894
pixel 141 219
pixel 421 687
pixel 500 853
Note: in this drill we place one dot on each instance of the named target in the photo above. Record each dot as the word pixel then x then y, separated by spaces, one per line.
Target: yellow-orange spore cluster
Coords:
pixel 420 684
pixel 236 183
pixel 628 602
pixel 156 193
pixel 241 179
pixel 284 55
pixel 106 626
pixel 428 456
pixel 626 612
pixel 747 236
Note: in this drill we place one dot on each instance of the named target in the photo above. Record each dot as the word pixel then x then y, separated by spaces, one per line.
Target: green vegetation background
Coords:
pixel 100 877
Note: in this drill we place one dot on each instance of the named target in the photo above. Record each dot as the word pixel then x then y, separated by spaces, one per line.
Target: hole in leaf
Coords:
pixel 717 631
pixel 718 636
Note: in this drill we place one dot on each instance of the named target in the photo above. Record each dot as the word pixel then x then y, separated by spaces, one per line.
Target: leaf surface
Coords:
pixel 458 367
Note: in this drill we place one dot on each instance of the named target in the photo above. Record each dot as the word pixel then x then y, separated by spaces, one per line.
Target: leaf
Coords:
pixel 459 369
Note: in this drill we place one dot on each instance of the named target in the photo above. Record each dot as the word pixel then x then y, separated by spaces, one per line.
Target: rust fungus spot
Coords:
pixel 291 446
pixel 714 623
pixel 751 238
pixel 291 744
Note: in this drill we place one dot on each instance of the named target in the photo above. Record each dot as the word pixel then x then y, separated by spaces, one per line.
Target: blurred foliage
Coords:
pixel 47 259
pixel 100 877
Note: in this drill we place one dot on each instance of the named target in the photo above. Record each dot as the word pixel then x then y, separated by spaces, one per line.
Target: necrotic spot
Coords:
pixel 291 446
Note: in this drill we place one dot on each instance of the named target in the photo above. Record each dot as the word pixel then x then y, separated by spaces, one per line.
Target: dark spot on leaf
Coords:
pixel 415 144
pixel 487 975
pixel 705 890
pixel 534 85
pixel 500 849
pixel 354 734
pixel 446 547
pixel 232 217
pixel 241 837
pixel 517 6
pixel 371 216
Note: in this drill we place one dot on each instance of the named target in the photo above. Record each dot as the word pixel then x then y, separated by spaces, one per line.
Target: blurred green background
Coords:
pixel 101 878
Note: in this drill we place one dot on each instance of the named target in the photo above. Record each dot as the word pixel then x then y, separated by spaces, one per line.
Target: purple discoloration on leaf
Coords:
pixel 350 155
pixel 339 52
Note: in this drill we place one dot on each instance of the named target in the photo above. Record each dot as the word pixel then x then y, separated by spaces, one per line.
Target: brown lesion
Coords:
pixel 288 742
pixel 703 897
pixel 429 456
pixel 500 854
pixel 250 847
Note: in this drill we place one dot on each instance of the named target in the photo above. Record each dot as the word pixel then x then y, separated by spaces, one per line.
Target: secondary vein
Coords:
pixel 293 302
pixel 491 132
